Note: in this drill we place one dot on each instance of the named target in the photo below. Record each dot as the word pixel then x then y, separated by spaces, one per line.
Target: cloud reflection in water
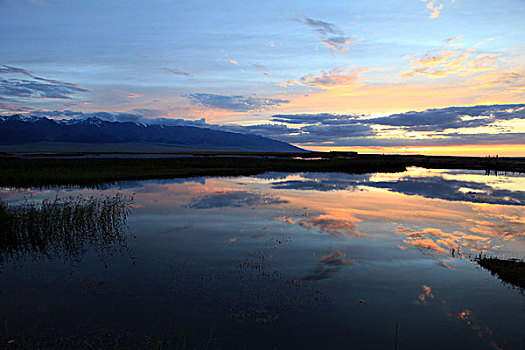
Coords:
pixel 234 199
pixel 328 266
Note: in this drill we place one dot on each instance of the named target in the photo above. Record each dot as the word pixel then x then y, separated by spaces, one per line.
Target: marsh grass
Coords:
pixel 63 228
pixel 57 170
pixel 19 172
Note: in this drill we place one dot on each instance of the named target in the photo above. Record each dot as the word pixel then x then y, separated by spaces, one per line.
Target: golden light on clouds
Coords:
pixel 451 150
pixel 434 8
pixel 335 78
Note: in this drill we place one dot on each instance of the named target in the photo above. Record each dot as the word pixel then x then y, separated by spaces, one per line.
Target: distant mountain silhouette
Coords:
pixel 18 129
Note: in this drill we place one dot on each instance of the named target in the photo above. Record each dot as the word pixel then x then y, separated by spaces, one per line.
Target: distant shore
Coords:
pixel 92 168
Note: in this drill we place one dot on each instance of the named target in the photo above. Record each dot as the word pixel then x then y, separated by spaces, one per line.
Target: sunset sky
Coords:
pixel 422 76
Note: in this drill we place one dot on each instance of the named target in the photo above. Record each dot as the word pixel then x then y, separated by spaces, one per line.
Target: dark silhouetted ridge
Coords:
pixel 17 129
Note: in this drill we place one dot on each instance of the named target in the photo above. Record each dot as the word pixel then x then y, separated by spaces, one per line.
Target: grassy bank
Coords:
pixel 89 171
pixel 94 168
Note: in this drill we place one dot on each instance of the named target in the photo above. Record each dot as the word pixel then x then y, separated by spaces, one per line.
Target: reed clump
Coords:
pixel 63 228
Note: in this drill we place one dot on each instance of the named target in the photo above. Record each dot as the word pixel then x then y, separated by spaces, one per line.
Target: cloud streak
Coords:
pixel 34 87
pixel 339 43
pixel 450 59
pixel 331 35
pixel 324 28
pixel 236 103
pixel 175 71
pixel 337 77
pixel 28 89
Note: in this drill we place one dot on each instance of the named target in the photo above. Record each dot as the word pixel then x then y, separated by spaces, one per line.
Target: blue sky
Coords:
pixel 241 63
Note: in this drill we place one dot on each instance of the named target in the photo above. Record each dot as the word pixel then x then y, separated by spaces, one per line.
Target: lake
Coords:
pixel 274 261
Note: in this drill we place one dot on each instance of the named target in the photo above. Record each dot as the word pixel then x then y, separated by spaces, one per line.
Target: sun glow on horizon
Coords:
pixel 459 150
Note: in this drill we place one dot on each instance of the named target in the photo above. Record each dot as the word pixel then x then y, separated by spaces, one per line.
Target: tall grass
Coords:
pixel 63 228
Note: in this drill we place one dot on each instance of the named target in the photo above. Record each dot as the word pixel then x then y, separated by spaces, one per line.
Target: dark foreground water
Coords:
pixel 306 261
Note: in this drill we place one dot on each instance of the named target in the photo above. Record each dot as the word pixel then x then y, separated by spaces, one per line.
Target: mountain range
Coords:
pixel 19 129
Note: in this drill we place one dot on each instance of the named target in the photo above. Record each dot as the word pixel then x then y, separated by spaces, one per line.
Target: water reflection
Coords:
pixel 332 226
pixel 453 190
pixel 234 199
pixel 280 260
pixel 425 296
pixel 439 241
pixel 328 266
pixel 428 186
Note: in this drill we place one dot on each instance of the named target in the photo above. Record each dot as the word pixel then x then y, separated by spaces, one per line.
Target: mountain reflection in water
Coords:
pixel 279 260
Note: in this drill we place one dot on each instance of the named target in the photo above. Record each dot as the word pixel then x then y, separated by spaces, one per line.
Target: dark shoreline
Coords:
pixel 49 169
pixel 510 271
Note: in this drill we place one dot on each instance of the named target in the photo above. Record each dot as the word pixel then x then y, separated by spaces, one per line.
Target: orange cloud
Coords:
pixel 287 83
pixel 434 8
pixel 483 62
pixel 451 59
pixel 285 219
pixel 440 63
pixel 511 78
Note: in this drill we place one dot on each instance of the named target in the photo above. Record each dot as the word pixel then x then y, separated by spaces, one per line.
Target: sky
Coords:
pixel 413 76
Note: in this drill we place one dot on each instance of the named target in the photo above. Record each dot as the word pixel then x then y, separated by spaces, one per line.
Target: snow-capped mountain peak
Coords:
pixel 20 117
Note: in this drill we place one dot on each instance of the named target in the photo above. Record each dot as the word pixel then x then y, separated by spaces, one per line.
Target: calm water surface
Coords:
pixel 280 260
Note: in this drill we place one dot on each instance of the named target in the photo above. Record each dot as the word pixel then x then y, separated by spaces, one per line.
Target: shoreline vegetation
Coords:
pixel 63 228
pixel 510 271
pixel 94 168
